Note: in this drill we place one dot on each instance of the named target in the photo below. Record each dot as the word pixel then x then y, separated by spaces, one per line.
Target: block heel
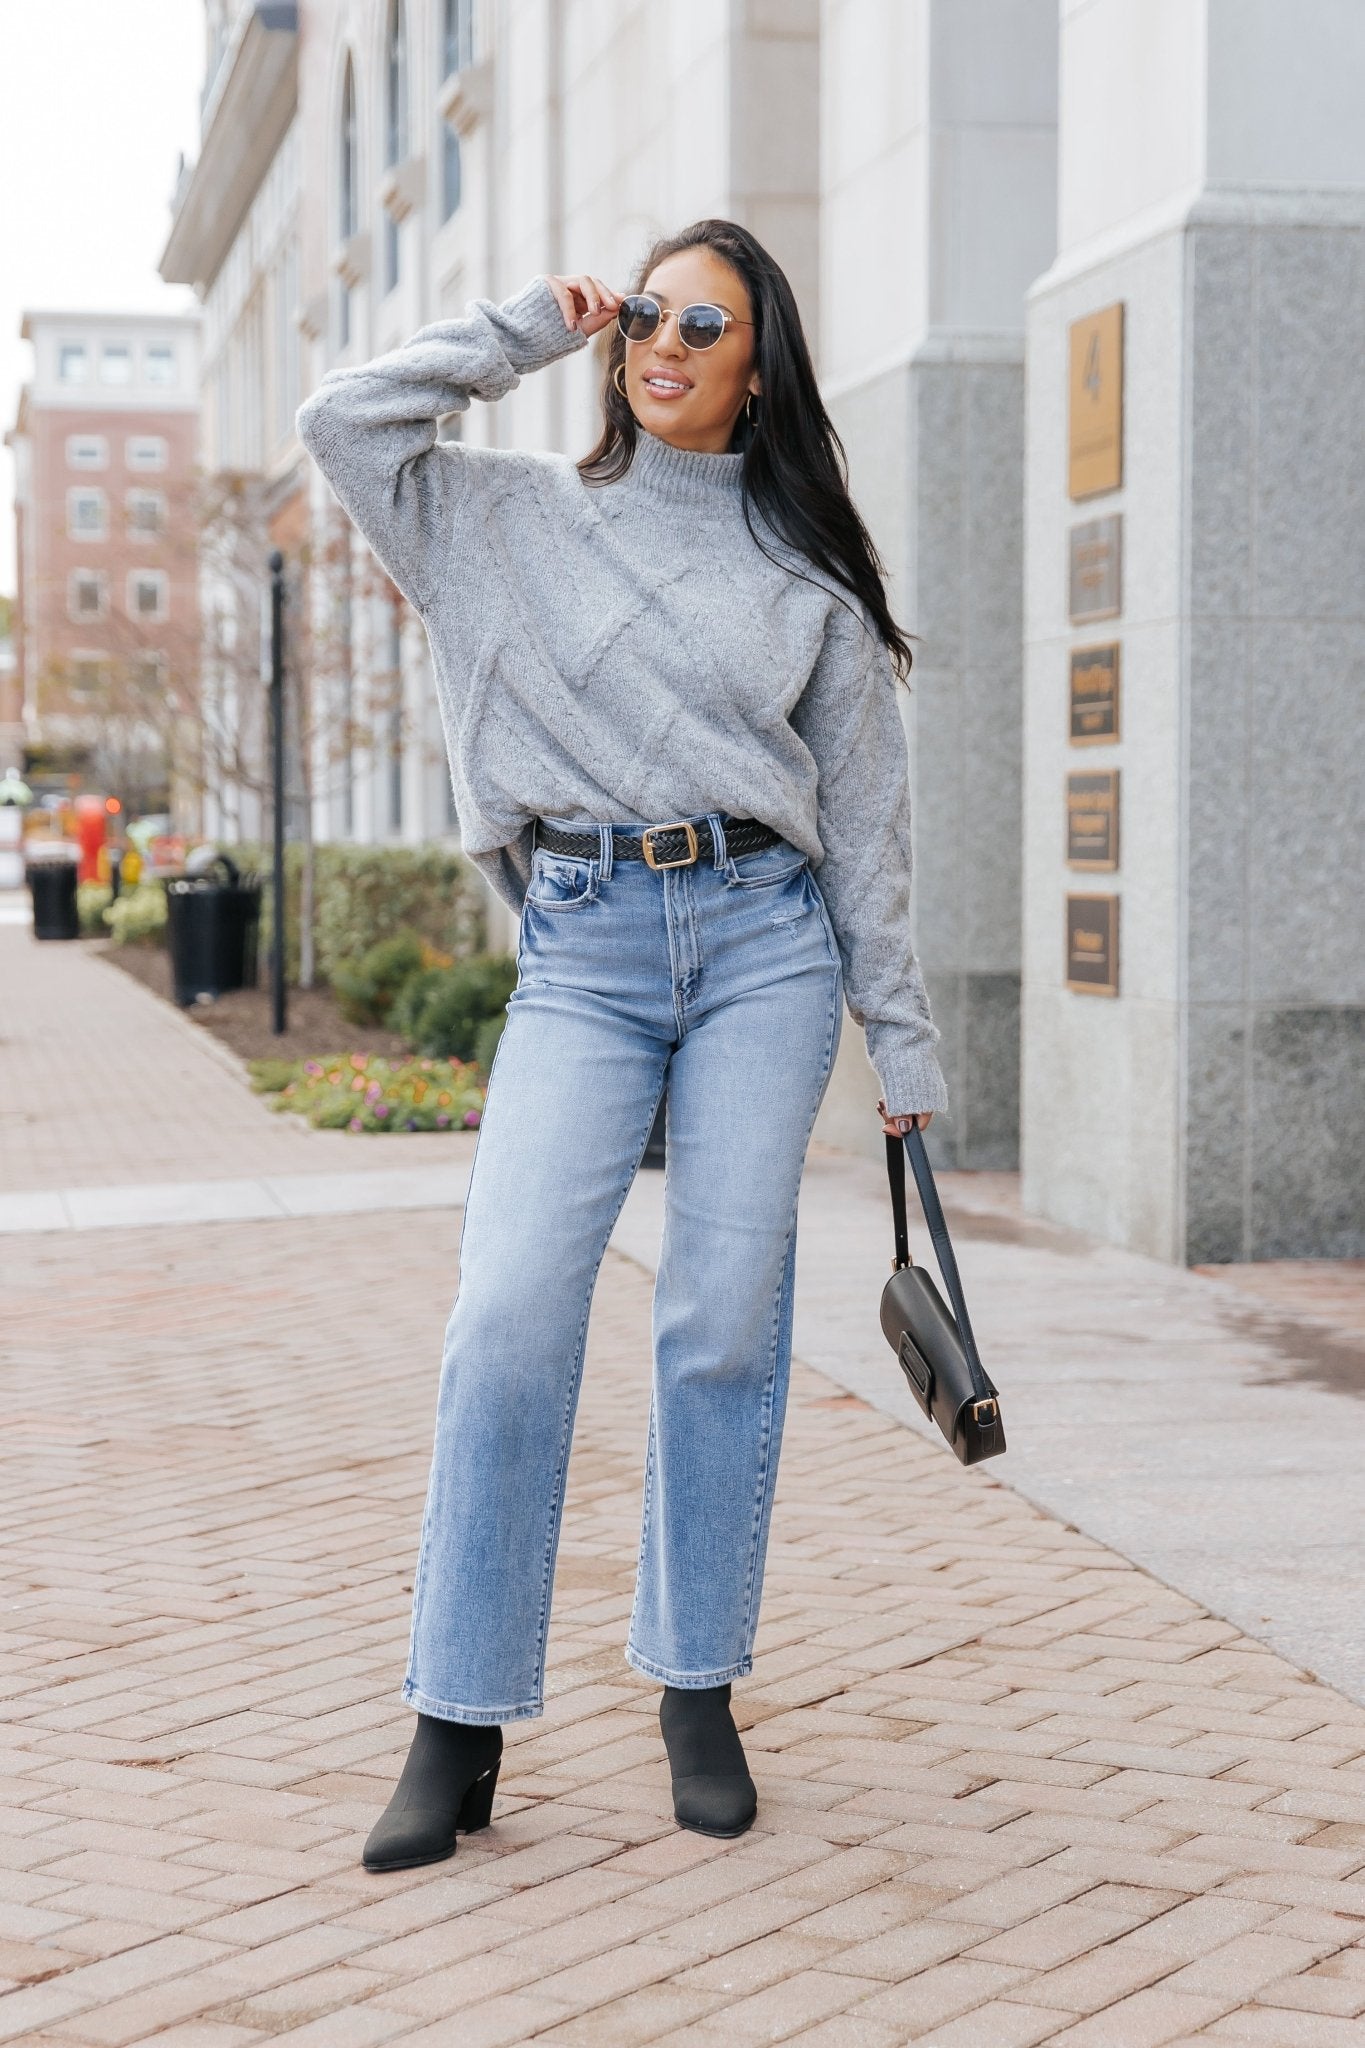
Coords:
pixel 476 1809
pixel 446 1789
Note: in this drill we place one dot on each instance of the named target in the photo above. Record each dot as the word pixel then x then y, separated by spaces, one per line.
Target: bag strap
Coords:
pixel 938 1232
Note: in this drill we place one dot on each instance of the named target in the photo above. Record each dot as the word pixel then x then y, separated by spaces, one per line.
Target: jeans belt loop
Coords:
pixel 604 857
pixel 717 837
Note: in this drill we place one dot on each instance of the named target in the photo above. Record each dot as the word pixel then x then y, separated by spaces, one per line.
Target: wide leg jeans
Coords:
pixel 721 983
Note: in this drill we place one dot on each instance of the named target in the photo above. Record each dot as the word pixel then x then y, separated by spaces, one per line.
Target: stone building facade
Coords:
pixel 958 189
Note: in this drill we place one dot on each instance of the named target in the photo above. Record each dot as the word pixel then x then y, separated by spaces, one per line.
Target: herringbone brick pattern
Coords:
pixel 1011 1790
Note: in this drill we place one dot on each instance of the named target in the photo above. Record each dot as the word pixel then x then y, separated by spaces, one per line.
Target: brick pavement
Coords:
pixel 103 1084
pixel 1012 1790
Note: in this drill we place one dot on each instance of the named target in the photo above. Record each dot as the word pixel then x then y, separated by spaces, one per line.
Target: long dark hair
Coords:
pixel 795 469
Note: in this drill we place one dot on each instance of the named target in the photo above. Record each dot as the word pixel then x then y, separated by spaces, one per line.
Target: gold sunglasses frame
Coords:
pixel 666 312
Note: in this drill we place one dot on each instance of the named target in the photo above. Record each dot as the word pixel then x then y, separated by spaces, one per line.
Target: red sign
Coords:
pixel 166 852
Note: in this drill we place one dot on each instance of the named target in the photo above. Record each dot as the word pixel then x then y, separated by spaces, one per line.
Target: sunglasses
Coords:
pixel 640 318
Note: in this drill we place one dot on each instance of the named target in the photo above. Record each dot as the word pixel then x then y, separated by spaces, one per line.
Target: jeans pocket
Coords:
pixel 768 869
pixel 562 881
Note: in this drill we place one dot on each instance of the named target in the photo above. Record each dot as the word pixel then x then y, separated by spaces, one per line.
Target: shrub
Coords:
pixel 486 1043
pixel 350 1092
pixel 92 900
pixel 269 1076
pixel 457 1005
pixel 138 916
pixel 368 893
pixel 366 988
pixel 412 999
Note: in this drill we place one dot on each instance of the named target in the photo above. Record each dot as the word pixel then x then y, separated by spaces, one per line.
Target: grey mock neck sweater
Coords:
pixel 626 653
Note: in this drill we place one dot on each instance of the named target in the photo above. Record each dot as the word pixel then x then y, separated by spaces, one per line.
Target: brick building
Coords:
pixel 106 621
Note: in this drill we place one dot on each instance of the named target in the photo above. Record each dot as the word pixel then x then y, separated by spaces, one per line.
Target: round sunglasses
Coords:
pixel 640 318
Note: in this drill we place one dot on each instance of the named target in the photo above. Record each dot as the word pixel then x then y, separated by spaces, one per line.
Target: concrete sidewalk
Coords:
pixel 103 1085
pixel 1210 1435
pixel 1013 1788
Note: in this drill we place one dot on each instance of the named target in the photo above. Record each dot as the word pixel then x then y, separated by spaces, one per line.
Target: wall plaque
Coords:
pixel 1094 694
pixel 1095 421
pixel 1096 586
pixel 1092 945
pixel 1092 819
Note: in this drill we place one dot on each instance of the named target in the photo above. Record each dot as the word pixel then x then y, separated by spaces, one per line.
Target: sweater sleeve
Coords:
pixel 848 720
pixel 371 427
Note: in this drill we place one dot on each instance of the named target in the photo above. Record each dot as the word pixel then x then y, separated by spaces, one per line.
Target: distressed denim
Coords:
pixel 721 983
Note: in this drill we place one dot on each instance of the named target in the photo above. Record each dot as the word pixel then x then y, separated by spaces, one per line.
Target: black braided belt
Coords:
pixel 660 846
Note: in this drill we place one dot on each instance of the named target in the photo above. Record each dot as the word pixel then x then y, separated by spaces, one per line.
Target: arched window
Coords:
pixel 396 93
pixel 348 168
pixel 457 37
pixel 450 171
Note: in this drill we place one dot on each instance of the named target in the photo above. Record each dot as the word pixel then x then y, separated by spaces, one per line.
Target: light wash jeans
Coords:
pixel 720 981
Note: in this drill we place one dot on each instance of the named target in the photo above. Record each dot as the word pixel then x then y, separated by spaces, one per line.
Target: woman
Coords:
pixel 667 678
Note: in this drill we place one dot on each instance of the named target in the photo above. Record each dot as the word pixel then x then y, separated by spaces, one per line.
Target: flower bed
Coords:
pixel 362 1092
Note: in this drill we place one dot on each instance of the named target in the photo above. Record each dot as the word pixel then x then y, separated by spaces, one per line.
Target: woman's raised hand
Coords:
pixel 586 303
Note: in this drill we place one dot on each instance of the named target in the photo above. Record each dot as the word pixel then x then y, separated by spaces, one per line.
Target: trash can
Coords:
pixel 51 870
pixel 213 921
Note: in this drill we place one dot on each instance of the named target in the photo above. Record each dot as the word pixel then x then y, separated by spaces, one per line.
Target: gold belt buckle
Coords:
pixel 647 844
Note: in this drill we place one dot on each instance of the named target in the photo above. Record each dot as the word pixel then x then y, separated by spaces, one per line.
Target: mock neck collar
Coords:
pixel 683 473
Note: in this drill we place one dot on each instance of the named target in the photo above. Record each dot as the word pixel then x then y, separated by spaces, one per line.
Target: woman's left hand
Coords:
pixel 897 1126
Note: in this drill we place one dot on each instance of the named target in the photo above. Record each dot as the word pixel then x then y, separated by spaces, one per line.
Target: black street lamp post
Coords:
pixel 278 1022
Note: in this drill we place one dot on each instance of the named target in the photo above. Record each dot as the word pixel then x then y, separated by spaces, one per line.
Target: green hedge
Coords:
pixel 368 893
pixel 137 917
pixel 92 900
pixel 457 1012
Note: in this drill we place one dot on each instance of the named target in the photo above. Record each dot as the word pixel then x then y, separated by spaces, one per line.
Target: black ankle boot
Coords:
pixel 447 1784
pixel 712 1791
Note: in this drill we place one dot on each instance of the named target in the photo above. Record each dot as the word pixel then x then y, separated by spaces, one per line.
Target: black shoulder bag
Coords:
pixel 936 1348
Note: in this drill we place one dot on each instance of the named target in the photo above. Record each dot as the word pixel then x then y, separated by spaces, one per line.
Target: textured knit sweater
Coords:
pixel 627 652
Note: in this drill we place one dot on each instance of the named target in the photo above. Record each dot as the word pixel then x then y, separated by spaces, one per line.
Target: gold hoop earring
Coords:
pixel 750 415
pixel 618 379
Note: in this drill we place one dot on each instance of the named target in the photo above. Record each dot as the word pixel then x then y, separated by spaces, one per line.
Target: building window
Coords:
pixel 87 514
pixel 87 451
pixel 149 677
pixel 396 88
pixel 147 594
pixel 145 451
pixel 86 594
pixel 348 184
pixel 348 220
pixel 86 675
pixel 159 363
pixel 73 363
pixel 116 363
pixel 457 41
pixel 395 749
pixel 288 394
pixel 146 514
pixel 346 662
pixel 395 126
pixel 450 171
